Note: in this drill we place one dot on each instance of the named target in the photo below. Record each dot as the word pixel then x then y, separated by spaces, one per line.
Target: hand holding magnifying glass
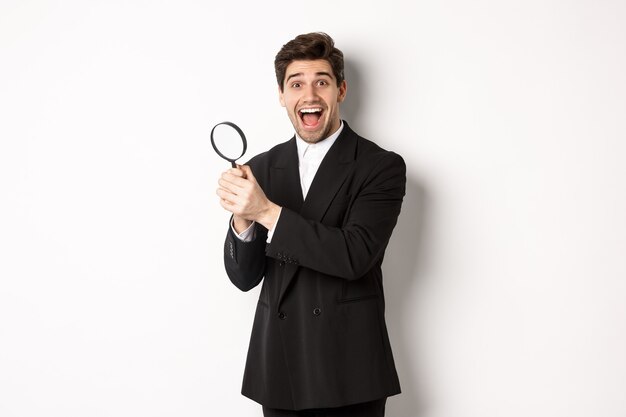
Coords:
pixel 251 203
pixel 228 146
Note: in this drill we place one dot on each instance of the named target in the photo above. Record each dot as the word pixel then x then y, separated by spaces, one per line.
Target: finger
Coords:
pixel 227 206
pixel 229 186
pixel 248 172
pixel 240 169
pixel 238 172
pixel 230 206
pixel 233 182
pixel 226 195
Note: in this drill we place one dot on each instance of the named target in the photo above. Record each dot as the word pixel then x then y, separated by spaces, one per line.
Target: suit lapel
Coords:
pixel 331 174
pixel 285 190
pixel 284 181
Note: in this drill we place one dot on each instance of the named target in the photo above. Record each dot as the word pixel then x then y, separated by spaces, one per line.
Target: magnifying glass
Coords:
pixel 228 141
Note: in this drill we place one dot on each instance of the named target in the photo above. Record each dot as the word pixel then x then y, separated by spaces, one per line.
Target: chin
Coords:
pixel 314 136
pixel 311 137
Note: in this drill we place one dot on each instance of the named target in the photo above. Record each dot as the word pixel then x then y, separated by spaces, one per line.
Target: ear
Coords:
pixel 343 89
pixel 281 97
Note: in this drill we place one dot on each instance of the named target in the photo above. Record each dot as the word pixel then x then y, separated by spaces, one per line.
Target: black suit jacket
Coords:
pixel 319 337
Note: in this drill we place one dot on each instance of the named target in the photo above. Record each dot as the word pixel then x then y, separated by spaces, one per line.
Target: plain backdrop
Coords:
pixel 506 275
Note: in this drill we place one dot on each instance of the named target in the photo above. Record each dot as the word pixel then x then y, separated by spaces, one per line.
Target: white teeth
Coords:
pixel 318 110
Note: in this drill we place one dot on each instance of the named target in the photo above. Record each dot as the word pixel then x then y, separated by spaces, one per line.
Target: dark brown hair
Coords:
pixel 310 46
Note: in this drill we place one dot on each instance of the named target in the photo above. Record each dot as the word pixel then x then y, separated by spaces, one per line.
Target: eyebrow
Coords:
pixel 299 74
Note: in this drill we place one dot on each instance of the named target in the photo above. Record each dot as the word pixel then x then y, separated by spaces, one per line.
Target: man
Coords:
pixel 313 216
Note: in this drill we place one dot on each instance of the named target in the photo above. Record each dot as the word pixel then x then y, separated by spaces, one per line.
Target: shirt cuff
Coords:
pixel 247 235
pixel 270 233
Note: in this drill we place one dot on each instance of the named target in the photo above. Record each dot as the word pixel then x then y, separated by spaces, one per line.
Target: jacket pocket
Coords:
pixel 355 299
pixel 357 290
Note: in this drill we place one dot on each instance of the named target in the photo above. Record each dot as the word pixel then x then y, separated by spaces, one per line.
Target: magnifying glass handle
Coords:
pixel 233 164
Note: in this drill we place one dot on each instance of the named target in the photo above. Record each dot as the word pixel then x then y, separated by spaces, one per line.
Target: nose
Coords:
pixel 310 93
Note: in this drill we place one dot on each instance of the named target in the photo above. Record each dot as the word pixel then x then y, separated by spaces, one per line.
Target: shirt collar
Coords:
pixel 323 145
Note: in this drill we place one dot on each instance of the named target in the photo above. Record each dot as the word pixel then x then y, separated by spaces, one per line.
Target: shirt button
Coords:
pixel 317 311
pixel 282 316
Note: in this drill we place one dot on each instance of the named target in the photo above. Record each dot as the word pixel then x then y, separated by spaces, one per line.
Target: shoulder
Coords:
pixel 374 157
pixel 272 156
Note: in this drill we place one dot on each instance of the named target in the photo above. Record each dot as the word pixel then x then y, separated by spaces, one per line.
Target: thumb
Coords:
pixel 247 172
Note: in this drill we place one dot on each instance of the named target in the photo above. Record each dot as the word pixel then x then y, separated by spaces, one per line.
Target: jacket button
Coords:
pixel 282 316
pixel 317 311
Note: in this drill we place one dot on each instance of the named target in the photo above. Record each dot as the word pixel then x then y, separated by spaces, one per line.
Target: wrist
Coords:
pixel 269 216
pixel 240 224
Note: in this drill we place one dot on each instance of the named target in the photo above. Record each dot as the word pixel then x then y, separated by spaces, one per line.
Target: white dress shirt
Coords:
pixel 310 157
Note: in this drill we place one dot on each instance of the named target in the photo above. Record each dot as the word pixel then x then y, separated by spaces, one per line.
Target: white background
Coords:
pixel 505 278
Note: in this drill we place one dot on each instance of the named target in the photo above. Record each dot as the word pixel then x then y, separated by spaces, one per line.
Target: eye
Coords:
pixel 322 82
pixel 295 85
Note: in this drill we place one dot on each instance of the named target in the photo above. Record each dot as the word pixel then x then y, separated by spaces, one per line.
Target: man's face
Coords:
pixel 311 97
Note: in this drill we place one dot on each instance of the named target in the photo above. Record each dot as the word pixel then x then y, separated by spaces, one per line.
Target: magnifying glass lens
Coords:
pixel 228 141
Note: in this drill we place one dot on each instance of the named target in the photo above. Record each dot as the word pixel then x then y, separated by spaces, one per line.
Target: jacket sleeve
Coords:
pixel 351 250
pixel 245 261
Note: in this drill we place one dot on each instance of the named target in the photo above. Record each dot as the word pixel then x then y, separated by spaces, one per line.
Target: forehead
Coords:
pixel 309 67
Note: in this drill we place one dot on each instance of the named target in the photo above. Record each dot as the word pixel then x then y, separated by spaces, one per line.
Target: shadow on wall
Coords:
pixel 351 107
pixel 402 259
pixel 401 268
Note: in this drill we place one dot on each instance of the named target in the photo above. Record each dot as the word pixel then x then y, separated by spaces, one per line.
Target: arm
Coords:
pixel 348 251
pixel 245 261
pixel 353 249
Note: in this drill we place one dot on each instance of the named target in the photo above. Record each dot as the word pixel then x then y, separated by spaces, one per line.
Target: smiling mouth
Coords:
pixel 310 116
